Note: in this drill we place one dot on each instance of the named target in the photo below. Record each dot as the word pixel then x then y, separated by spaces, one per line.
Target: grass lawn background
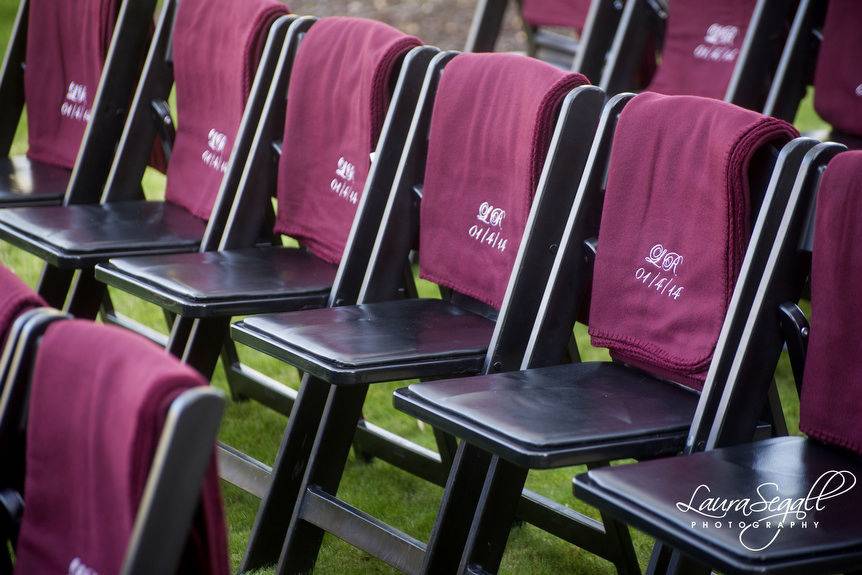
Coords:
pixel 380 489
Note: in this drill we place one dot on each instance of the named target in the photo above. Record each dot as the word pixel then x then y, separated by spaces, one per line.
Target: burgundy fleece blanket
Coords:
pixel 98 402
pixel 217 45
pixel 831 393
pixel 701 47
pixel 337 100
pixel 838 79
pixel 564 13
pixel 491 127
pixel 16 297
pixel 674 229
pixel 67 43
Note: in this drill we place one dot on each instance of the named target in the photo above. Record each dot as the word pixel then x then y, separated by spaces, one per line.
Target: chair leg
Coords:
pixel 447 446
pixel 87 295
pixel 659 561
pixel 460 498
pixel 178 339
pixel 230 358
pixel 494 516
pixel 276 509
pixel 205 344
pixel 325 468
pixel 620 540
pixel 776 412
pixel 54 285
pixel 683 565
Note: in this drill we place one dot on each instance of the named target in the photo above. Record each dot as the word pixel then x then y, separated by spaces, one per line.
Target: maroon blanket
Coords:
pixel 674 229
pixel 16 297
pixel 838 80
pixel 337 100
pixel 491 127
pixel 98 401
pixel 67 43
pixel 701 47
pixel 216 48
pixel 831 395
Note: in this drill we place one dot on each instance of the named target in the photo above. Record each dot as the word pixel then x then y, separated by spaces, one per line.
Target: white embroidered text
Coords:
pixel 491 229
pixel 75 106
pixel 718 44
pixel 342 184
pixel 214 155
pixel 663 278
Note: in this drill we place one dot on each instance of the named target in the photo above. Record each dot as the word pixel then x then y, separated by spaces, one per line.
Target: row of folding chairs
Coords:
pixel 107 446
pixel 758 54
pixel 499 153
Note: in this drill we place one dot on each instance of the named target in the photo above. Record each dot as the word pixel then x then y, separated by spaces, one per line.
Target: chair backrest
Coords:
pixel 108 410
pixel 341 84
pixel 838 79
pixel 702 46
pixel 563 13
pixel 67 43
pixel 17 298
pixel 831 398
pixel 216 47
pixel 491 127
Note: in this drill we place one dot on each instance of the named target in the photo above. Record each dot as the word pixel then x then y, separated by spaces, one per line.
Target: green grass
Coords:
pixel 382 490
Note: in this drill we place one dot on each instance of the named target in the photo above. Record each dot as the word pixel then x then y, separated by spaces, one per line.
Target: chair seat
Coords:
pixel 24 182
pixel 646 495
pixel 236 282
pixel 80 236
pixel 558 416
pixel 374 342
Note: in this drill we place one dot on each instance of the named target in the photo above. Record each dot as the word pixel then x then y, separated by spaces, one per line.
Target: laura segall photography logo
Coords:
pixel 762 517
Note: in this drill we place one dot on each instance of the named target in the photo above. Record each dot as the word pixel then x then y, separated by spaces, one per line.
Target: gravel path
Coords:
pixel 443 23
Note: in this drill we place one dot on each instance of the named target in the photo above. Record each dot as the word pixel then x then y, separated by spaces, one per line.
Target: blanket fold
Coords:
pixel 217 46
pixel 98 402
pixel 674 230
pixel 491 127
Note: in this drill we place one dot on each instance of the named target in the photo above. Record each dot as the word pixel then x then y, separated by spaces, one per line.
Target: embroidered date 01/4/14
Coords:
pixel 662 284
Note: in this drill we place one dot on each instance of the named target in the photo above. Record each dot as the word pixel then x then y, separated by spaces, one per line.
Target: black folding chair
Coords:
pixel 586 54
pixel 26 182
pixel 173 486
pixel 345 348
pixel 548 415
pixel 644 25
pixel 644 494
pixel 237 275
pixel 94 227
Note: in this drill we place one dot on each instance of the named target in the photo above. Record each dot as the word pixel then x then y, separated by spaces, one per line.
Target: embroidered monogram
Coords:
pixel 665 261
pixel 491 232
pixel 213 156
pixel 77 567
pixel 341 184
pixel 74 106
pixel 718 44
